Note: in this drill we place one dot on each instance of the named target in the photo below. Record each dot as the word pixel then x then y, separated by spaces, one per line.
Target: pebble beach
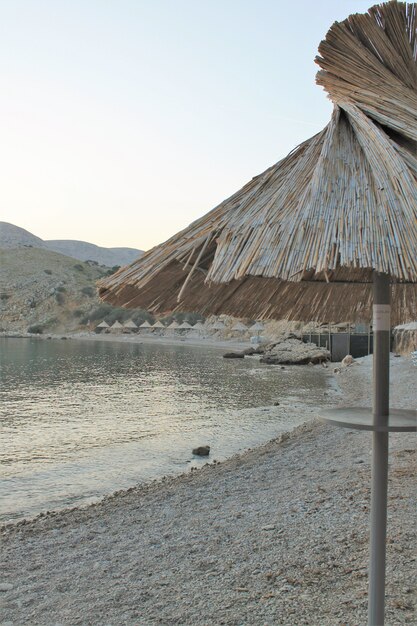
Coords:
pixel 276 536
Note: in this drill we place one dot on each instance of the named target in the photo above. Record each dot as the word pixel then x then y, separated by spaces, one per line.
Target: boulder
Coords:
pixel 293 351
pixel 233 355
pixel 250 351
pixel 202 451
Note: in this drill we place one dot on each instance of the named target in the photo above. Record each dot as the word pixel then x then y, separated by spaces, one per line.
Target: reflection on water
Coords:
pixel 82 419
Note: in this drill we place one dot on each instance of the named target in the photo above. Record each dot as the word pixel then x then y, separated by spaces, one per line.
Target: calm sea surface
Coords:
pixel 82 419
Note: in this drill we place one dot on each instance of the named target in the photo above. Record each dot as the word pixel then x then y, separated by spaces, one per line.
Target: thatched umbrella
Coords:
pixel 239 327
pixel 103 324
pixel 306 239
pixel 116 326
pixel 158 328
pixel 198 328
pixel 145 325
pixel 256 328
pixel 185 326
pixel 130 324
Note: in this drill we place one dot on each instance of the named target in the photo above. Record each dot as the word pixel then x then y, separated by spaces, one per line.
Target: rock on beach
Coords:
pixel 293 351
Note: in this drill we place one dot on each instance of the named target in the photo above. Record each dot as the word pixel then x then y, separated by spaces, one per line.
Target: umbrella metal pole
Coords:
pixel 381 350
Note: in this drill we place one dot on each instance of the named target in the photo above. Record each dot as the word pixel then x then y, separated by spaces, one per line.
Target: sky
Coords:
pixel 122 121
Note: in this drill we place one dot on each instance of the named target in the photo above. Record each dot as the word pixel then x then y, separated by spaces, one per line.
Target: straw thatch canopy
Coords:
pixel 173 326
pixel 300 241
pixel 145 324
pixel 198 326
pixel 219 325
pixel 158 324
pixel 130 324
pixel 103 324
pixel 185 325
pixel 257 326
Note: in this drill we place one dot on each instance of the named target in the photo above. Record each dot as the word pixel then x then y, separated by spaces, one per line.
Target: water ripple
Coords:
pixel 82 419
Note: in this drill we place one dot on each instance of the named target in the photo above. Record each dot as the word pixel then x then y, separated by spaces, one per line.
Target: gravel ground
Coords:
pixel 277 536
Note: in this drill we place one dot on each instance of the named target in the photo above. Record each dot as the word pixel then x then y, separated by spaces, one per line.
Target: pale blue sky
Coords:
pixel 122 121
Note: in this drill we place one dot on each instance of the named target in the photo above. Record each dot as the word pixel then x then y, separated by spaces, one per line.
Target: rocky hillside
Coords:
pixel 12 236
pixel 41 288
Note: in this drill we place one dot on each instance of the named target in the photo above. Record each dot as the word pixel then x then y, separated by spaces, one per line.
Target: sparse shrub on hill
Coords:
pixel 180 317
pixel 49 272
pixel 59 297
pixel 97 314
pixel 88 291
pixel 110 314
pixel 79 267
pixel 112 270
pixel 139 316
pixel 36 329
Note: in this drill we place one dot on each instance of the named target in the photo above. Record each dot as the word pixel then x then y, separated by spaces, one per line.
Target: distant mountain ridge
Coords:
pixel 12 236
pixel 85 251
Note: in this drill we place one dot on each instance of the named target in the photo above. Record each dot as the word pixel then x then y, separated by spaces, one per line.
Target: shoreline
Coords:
pixel 195 342
pixel 274 536
pixel 170 480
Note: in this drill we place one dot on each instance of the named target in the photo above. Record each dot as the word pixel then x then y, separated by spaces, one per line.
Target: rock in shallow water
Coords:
pixel 202 451
pixel 233 355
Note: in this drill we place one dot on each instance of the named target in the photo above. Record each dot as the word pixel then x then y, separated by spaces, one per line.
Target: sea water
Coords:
pixel 81 419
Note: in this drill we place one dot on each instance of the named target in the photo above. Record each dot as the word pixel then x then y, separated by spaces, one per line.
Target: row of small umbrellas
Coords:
pixel 239 326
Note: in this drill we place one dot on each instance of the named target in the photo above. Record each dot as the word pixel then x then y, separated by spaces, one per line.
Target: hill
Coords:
pixel 43 288
pixel 12 236
pixel 85 251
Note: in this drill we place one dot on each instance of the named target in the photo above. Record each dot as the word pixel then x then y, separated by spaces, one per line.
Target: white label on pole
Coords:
pixel 382 317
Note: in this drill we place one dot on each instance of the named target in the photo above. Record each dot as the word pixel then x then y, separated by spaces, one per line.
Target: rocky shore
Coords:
pixel 289 350
pixel 277 536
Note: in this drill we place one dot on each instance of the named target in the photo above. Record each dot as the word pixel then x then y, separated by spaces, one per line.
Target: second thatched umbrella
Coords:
pixel 130 325
pixel 239 327
pixel 117 326
pixel 103 324
pixel 185 326
pixel 306 239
